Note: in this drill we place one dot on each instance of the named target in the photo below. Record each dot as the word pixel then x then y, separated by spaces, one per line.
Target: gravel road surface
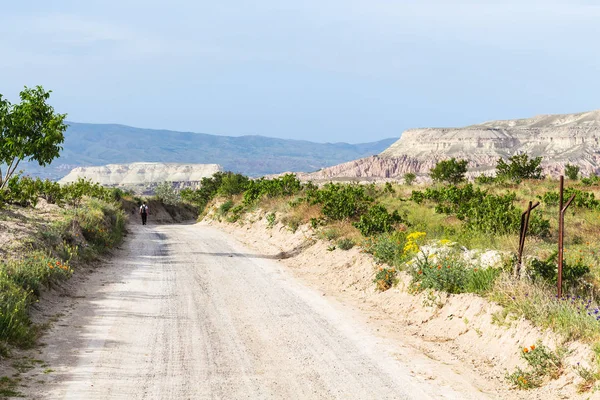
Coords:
pixel 186 312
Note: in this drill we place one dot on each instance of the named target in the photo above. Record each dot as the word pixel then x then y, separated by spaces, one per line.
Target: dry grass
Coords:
pixel 537 302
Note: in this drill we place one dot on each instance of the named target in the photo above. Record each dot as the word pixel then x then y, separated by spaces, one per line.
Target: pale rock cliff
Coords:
pixel 142 177
pixel 559 139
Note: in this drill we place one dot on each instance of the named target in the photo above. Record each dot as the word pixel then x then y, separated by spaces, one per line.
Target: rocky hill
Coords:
pixel 559 139
pixel 96 145
pixel 143 177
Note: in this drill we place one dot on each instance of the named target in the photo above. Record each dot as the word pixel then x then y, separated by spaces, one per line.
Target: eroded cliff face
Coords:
pixel 559 139
pixel 143 177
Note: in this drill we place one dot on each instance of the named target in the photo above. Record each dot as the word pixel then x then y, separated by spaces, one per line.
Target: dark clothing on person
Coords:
pixel 144 213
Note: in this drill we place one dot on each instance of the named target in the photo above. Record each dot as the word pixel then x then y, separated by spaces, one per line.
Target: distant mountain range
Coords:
pixel 95 144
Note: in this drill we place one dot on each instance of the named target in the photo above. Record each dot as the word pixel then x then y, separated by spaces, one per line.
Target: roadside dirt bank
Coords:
pixel 457 330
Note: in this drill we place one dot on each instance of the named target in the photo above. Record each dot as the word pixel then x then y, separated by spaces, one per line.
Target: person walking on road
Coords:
pixel 144 213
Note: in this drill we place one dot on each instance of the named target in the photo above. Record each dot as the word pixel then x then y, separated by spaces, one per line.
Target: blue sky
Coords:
pixel 320 70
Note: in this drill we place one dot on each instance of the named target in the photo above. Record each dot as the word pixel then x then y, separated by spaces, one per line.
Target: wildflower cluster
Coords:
pixel 582 307
pixel 385 278
pixel 451 275
pixel 543 364
pixel 412 239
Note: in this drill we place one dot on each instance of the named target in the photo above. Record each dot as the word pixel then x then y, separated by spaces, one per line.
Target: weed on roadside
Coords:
pixel 345 244
pixel 385 278
pixel 8 387
pixel 543 364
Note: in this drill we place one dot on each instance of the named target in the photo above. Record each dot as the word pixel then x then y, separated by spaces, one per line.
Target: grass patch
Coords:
pixel 572 317
pixel 8 387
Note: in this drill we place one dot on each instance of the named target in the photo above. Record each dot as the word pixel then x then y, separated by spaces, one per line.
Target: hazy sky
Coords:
pixel 321 70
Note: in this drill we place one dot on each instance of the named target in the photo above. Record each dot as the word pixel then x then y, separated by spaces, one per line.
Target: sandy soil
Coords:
pixel 188 312
pixel 455 332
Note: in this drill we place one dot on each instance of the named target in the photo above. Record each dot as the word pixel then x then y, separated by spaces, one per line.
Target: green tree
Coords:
pixel 572 172
pixel 30 130
pixel 409 178
pixel 520 167
pixel 166 193
pixel 452 171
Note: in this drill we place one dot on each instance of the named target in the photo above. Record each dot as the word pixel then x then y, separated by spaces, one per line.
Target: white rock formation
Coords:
pixel 559 139
pixel 144 174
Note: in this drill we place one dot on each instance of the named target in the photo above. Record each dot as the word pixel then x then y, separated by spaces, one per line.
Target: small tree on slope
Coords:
pixel 29 130
pixel 451 171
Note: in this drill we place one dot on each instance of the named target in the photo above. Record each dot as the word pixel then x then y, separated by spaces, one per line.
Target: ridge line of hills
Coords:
pixel 253 155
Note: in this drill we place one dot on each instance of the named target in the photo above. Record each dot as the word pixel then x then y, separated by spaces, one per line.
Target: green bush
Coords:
pixel 271 220
pixel 547 270
pixel 451 275
pixel 386 248
pixel 484 179
pixel 409 178
pixel 451 171
pixel 341 202
pixel 225 207
pixel 236 213
pixel 592 180
pixel 377 220
pixel 286 185
pixel 582 199
pixel 482 212
pixel 232 184
pixel 520 167
pixel 572 171
pixel 166 193
pixel 21 191
pixel 345 244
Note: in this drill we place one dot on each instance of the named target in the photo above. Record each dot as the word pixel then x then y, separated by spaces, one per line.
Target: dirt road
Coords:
pixel 186 312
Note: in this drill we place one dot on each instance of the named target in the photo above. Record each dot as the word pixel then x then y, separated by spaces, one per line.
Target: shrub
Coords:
pixel 345 244
pixel 236 213
pixel 451 275
pixel 286 185
pixel 377 220
pixel 166 193
pixel 388 188
pixel 232 184
pixel 547 270
pixel 481 211
pixel 271 220
pixel 385 278
pixel 341 202
pixel 21 191
pixel 543 364
pixel 331 233
pixel 50 191
pixel 520 167
pixel 572 171
pixel 592 180
pixel 409 178
pixel 225 207
pixel 451 171
pixel 484 179
pixel 386 248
